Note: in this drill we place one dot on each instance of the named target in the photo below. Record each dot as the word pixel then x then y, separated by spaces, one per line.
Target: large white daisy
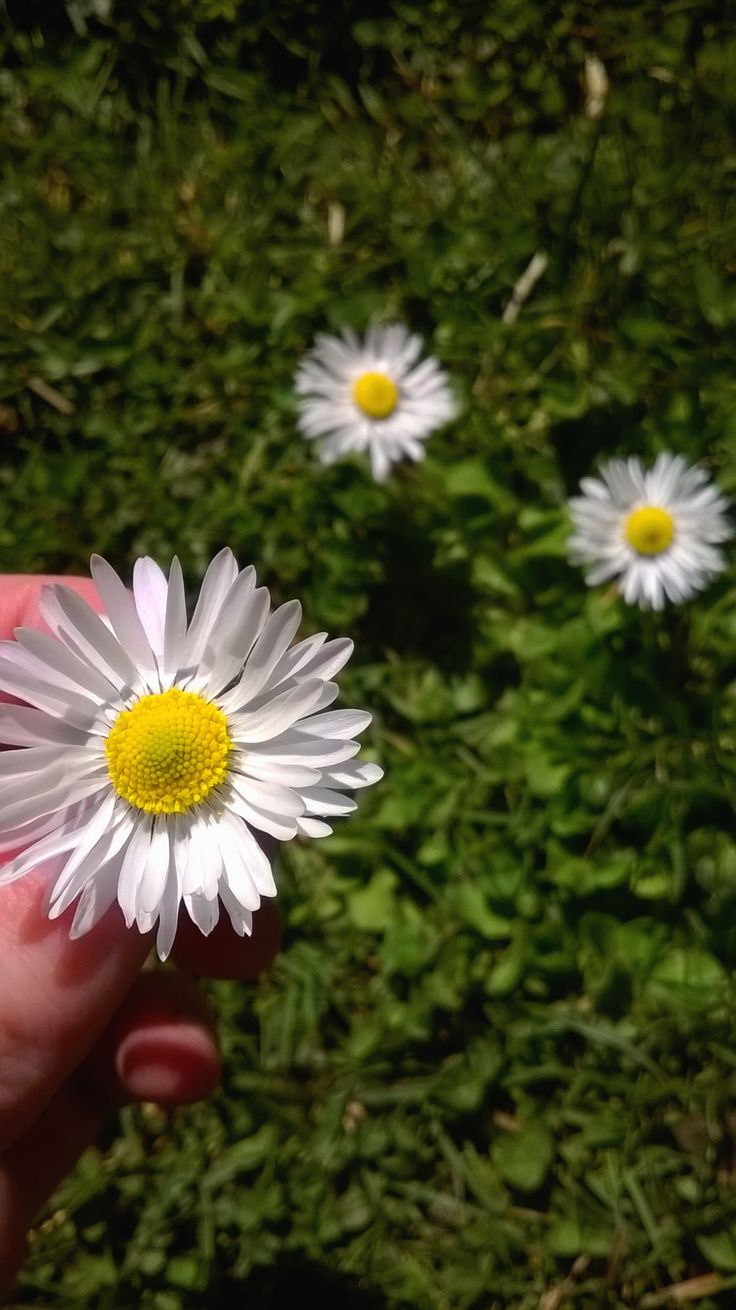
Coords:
pixel 155 748
pixel 372 396
pixel 655 530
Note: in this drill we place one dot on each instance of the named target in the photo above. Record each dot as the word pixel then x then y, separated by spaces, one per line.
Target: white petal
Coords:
pixel 55 659
pixel 330 692
pixel 131 870
pixel 68 887
pixel 288 775
pixel 83 631
pixel 309 827
pixel 205 864
pixel 102 822
pixel 320 800
pixel 66 794
pixel 241 920
pixel 180 843
pixel 295 747
pixel 16 764
pixel 22 726
pixel 329 660
pixel 175 625
pixel 124 617
pixel 39 782
pixel 96 898
pixel 355 775
pixel 295 659
pixel 216 583
pixel 202 912
pixel 267 796
pixel 60 839
pixel 236 873
pixel 276 636
pixel 279 712
pixel 232 644
pixel 72 708
pixel 155 869
pixel 381 461
pixel 169 905
pixel 283 829
pixel 150 590
pixel 259 865
pixel 338 723
pixel 17 839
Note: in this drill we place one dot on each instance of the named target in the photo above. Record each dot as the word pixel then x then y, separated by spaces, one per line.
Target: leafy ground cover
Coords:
pixel 494 1066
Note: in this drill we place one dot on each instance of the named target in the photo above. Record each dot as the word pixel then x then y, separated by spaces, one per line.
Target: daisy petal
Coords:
pixel 131 869
pixel 237 638
pixel 175 625
pixel 202 912
pixel 124 617
pixel 279 712
pixel 277 634
pixel 22 726
pixel 57 663
pixel 236 873
pixel 216 584
pixel 241 920
pixel 155 870
pixel 321 800
pixel 76 624
pixel 309 827
pixel 96 899
pixel 150 589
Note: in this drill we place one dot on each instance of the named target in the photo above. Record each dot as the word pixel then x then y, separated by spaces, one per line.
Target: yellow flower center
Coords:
pixel 168 752
pixel 375 394
pixel 649 530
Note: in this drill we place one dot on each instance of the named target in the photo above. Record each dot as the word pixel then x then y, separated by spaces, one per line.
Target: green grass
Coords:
pixel 498 1045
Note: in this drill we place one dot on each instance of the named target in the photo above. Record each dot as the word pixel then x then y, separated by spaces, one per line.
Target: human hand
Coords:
pixel 82 1030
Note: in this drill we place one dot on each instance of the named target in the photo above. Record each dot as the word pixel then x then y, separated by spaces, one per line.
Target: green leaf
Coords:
pixel 509 968
pixel 523 1158
pixel 719 1250
pixel 467 901
pixel 688 975
pixel 373 908
pixel 579 1232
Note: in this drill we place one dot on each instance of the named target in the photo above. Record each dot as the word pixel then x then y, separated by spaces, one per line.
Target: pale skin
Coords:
pixel 82 1029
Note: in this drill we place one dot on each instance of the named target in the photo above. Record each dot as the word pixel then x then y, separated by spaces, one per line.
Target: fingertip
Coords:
pixel 161 1045
pixel 171 1064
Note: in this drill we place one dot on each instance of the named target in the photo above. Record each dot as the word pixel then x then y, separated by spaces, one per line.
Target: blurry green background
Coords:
pixel 494 1067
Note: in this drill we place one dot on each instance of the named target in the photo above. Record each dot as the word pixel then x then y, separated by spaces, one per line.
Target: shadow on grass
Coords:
pixel 421 607
pixel 580 443
pixel 295 1281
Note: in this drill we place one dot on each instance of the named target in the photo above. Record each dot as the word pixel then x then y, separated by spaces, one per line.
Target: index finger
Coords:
pixel 20 594
pixel 57 995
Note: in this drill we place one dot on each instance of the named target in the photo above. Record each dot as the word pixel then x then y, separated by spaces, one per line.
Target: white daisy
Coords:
pixel 155 747
pixel 655 530
pixel 372 395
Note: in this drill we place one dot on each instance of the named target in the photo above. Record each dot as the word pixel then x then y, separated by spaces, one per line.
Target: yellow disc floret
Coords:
pixel 649 529
pixel 168 751
pixel 376 394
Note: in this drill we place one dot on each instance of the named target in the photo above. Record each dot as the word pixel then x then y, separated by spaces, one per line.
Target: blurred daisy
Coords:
pixel 155 748
pixel 655 530
pixel 372 396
